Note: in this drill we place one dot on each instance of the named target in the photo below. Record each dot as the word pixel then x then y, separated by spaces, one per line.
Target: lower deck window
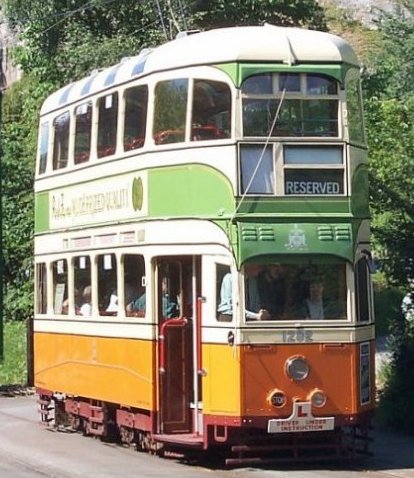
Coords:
pixel 300 290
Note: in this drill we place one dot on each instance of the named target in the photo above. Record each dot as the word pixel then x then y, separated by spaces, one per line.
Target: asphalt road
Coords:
pixel 27 450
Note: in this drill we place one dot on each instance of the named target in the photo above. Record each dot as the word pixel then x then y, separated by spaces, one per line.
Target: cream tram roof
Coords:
pixel 262 43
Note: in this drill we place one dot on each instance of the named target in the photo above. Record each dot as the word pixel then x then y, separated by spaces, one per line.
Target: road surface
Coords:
pixel 27 450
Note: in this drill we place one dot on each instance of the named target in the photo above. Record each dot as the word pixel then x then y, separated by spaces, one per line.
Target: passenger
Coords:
pixel 272 290
pixel 65 307
pixel 317 307
pixel 254 305
pixel 86 308
pixel 225 307
pixel 138 304
pixel 113 304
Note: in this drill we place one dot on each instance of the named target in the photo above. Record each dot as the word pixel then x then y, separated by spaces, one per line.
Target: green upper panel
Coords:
pixel 239 71
pixel 189 190
pixel 256 239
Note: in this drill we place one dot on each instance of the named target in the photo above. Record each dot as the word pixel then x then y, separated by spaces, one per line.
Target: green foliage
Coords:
pixel 397 396
pixel 391 188
pixel 387 307
pixel 19 130
pixel 13 367
pixel 224 13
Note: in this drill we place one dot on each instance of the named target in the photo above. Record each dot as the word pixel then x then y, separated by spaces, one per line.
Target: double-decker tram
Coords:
pixel 202 249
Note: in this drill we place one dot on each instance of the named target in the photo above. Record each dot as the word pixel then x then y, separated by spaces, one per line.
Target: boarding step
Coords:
pixel 190 440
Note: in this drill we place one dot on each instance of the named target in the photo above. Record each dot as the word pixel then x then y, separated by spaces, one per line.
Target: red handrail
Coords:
pixel 199 341
pixel 177 322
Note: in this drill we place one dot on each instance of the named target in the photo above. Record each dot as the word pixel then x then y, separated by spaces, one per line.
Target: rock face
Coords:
pixel 8 72
pixel 366 11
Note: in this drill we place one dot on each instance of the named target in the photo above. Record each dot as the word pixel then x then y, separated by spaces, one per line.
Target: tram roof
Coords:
pixel 265 43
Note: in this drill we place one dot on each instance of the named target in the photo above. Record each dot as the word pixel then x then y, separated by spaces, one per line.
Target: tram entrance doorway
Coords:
pixel 178 280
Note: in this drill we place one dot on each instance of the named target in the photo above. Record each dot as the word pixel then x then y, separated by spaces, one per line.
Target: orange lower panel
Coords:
pixel 334 369
pixel 109 369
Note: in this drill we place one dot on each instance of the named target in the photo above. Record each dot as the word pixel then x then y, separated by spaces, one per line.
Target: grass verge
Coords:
pixel 13 368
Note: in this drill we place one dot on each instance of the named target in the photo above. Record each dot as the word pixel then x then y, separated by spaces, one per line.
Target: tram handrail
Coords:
pixel 175 322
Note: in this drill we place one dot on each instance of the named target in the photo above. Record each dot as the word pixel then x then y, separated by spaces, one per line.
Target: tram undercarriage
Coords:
pixel 231 445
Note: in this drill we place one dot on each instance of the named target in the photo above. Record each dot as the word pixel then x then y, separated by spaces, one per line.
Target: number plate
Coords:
pixel 301 420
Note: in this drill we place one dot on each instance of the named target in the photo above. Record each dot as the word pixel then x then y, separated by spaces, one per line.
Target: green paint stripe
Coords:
pixel 41 212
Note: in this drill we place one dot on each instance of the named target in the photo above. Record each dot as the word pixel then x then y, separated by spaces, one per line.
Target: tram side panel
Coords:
pixel 114 370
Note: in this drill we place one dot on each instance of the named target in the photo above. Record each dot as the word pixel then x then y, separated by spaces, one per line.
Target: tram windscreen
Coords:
pixel 307 290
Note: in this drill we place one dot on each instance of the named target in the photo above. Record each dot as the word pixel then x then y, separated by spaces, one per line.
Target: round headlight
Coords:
pixel 297 368
pixel 317 398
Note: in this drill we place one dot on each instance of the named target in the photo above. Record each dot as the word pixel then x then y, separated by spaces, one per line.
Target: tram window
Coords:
pixel 107 285
pixel 82 290
pixel 41 288
pixel 170 289
pixel 134 285
pixel 60 286
pixel 61 140
pixel 301 289
pixel 136 100
pixel 83 127
pixel 290 105
pixel 355 113
pixel 257 169
pixel 107 124
pixel 43 147
pixel 170 106
pixel 321 85
pixel 224 293
pixel 211 111
pixel 311 181
pixel 362 279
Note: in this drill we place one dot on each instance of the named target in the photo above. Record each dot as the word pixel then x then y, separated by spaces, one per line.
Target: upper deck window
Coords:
pixel 83 127
pixel 107 124
pixel 170 108
pixel 211 110
pixel 136 100
pixel 61 140
pixel 294 104
pixel 43 147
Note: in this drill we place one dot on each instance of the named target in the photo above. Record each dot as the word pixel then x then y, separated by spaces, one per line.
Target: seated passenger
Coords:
pixel 316 307
pixel 86 308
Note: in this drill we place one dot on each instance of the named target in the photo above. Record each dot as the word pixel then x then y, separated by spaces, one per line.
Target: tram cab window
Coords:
pixel 41 288
pixel 170 290
pixel 306 289
pixel 82 298
pixel 83 128
pixel 224 293
pixel 107 285
pixel 43 147
pixel 135 297
pixel 170 107
pixel 135 120
pixel 60 286
pixel 61 140
pixel 362 289
pixel 296 104
pixel 107 124
pixel 211 110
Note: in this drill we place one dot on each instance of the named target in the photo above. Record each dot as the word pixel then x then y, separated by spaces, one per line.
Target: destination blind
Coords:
pixel 314 182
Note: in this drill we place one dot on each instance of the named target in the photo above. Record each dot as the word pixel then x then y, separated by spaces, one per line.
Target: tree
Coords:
pixel 224 13
pixel 389 93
